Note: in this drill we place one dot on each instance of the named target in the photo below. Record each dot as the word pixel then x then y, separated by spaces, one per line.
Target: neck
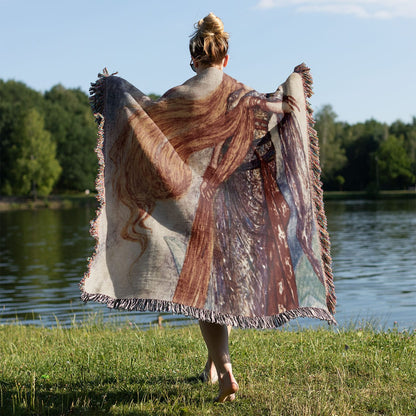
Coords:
pixel 201 68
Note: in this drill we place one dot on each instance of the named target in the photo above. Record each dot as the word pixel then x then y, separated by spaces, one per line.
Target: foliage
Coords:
pixel 35 166
pixel 394 163
pixel 71 132
pixel 122 370
pixel 365 156
pixel 153 96
pixel 332 155
pixel 16 99
pixel 71 123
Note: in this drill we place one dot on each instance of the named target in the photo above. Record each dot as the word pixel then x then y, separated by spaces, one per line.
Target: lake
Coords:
pixel 43 256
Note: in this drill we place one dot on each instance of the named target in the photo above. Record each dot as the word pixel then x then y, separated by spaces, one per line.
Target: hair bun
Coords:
pixel 211 25
pixel 209 43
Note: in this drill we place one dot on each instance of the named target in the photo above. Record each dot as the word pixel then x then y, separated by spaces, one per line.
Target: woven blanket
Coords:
pixel 210 202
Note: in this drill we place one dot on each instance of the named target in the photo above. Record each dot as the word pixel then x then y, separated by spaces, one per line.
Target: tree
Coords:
pixel 8 123
pixel 71 123
pixel 35 167
pixel 408 133
pixel 332 155
pixel 153 96
pixel 361 142
pixel 394 164
pixel 15 99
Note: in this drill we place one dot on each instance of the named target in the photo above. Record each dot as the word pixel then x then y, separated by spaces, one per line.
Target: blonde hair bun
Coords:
pixel 211 25
pixel 209 43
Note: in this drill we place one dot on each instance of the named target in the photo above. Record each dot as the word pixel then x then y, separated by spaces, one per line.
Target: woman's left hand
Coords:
pixel 289 104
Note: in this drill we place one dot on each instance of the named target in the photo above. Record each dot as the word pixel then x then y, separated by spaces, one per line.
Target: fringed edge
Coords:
pixel 97 100
pixel 97 92
pixel 315 170
pixel 260 322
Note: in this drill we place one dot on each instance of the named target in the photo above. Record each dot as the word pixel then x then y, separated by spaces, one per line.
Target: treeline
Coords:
pixel 369 156
pixel 47 145
pixel 47 140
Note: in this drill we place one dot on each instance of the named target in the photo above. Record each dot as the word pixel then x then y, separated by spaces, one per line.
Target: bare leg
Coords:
pixel 210 374
pixel 216 339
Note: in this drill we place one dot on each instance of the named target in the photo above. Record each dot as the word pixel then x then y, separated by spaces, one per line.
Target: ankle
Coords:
pixel 226 372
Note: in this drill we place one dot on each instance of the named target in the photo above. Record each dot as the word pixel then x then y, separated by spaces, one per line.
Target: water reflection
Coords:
pixel 42 253
pixel 374 254
pixel 43 257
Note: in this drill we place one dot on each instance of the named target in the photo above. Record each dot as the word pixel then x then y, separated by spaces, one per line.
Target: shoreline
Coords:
pixel 67 201
pixel 59 201
pixel 364 195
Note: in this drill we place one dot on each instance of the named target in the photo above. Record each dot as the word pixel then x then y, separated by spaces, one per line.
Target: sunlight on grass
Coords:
pixel 119 369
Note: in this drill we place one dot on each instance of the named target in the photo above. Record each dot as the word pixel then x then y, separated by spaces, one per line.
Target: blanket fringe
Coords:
pixel 97 94
pixel 315 168
pixel 260 322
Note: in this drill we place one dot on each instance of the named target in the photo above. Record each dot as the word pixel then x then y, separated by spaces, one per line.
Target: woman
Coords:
pixel 211 203
pixel 209 49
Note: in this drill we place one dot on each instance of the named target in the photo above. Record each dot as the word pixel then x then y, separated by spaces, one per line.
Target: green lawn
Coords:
pixel 104 369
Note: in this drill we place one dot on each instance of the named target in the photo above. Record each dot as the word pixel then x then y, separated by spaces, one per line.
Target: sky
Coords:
pixel 362 53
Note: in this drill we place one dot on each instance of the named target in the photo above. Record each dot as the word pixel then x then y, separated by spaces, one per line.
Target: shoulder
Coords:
pixel 199 86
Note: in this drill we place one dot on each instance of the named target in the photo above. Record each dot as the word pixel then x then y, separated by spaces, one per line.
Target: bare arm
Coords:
pixel 287 105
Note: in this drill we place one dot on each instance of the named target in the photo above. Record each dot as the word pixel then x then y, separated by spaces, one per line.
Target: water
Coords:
pixel 43 257
pixel 374 260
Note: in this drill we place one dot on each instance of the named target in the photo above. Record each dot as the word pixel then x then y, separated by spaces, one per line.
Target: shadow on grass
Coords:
pixel 101 396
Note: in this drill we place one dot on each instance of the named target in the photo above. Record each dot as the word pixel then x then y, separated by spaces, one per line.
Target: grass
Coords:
pixel 104 369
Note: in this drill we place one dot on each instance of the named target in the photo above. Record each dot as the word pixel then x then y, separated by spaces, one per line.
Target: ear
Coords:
pixel 225 61
pixel 196 64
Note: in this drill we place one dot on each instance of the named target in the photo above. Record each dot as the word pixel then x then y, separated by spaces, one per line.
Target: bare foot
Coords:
pixel 228 388
pixel 209 375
